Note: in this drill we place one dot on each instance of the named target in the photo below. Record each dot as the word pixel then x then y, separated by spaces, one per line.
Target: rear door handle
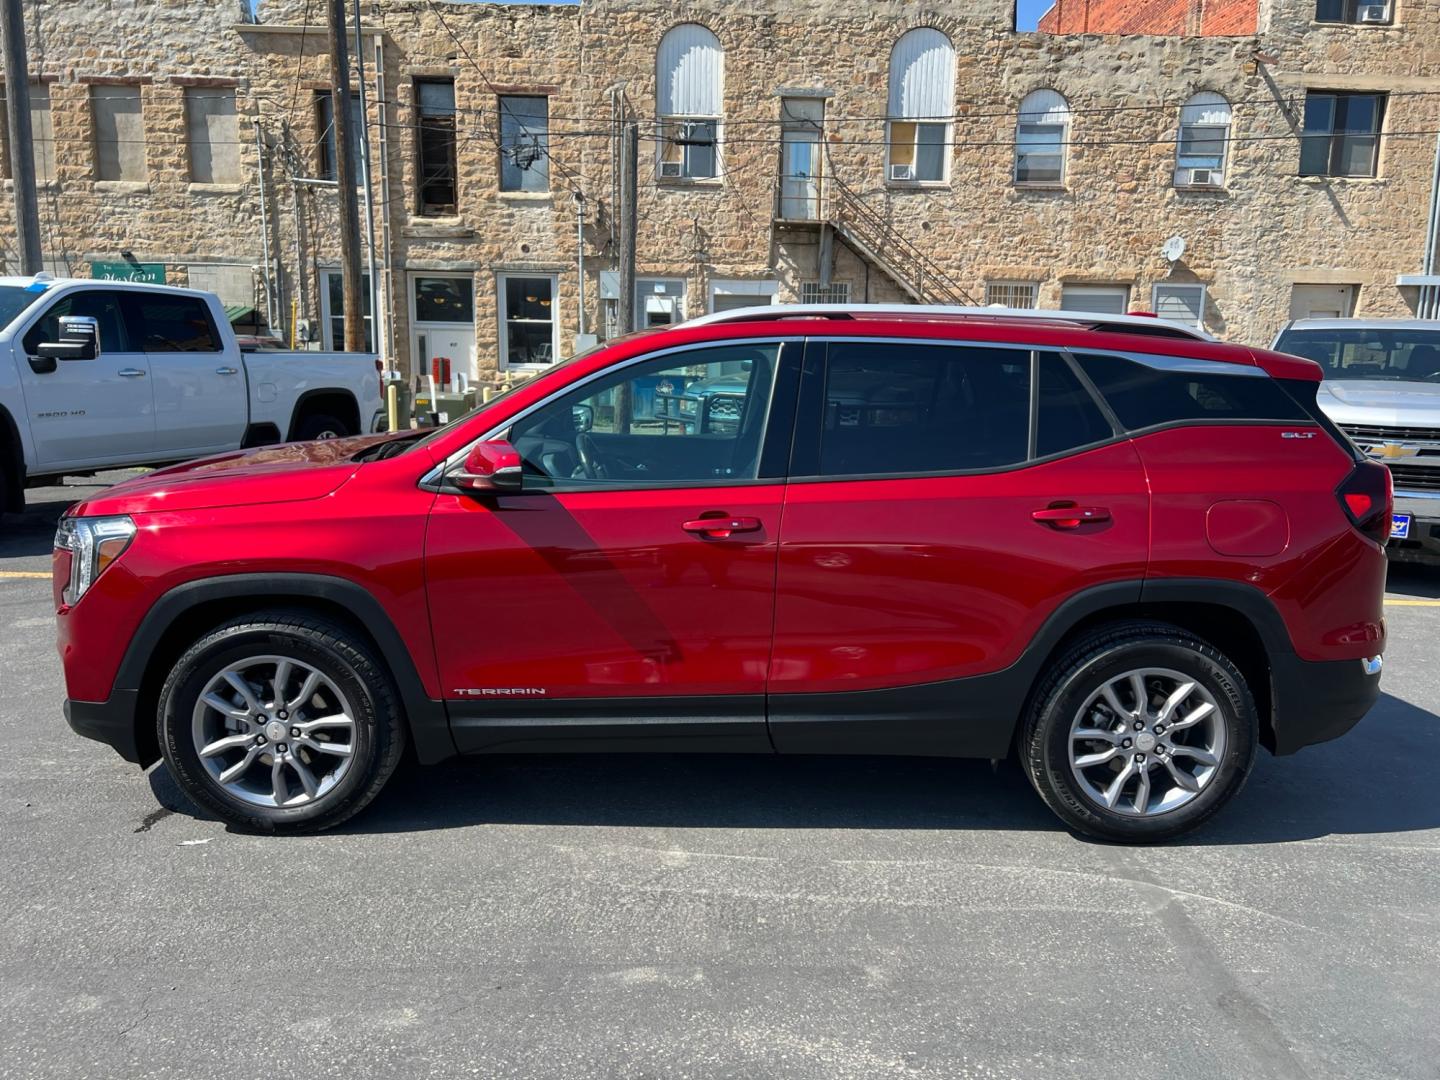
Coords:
pixel 130 373
pixel 720 528
pixel 1070 516
pixel 227 371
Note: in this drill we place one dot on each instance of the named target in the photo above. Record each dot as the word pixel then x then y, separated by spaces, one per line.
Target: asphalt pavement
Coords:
pixel 659 917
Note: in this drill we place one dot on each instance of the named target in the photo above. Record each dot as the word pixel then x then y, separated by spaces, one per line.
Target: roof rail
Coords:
pixel 1090 320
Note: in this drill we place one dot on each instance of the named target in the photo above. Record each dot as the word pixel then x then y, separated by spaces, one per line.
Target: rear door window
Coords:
pixel 1066 414
pixel 165 323
pixel 1143 396
pixel 902 408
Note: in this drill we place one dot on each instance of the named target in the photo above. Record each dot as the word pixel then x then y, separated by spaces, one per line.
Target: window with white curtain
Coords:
pixel 922 101
pixel 1204 139
pixel 1041 135
pixel 689 95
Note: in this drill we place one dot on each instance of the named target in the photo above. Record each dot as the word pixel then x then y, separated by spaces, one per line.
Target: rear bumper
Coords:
pixel 111 721
pixel 1318 701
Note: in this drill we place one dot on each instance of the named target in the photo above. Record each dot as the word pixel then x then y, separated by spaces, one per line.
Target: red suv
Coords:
pixel 1123 553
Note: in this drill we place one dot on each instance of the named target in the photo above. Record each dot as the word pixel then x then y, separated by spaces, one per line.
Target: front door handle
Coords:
pixel 227 371
pixel 1070 516
pixel 721 528
pixel 131 373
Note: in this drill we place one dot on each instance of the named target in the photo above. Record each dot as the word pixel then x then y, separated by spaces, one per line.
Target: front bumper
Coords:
pixel 1316 701
pixel 1423 544
pixel 111 721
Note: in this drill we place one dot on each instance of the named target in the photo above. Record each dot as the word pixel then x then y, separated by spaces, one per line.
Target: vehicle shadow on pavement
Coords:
pixel 31 532
pixel 1375 780
pixel 1409 579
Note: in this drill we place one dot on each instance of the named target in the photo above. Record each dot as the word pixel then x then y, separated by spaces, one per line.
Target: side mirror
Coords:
pixel 490 466
pixel 584 417
pixel 79 340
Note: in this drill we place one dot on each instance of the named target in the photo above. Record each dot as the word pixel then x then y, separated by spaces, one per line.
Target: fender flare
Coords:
pixel 428 720
pixel 325 392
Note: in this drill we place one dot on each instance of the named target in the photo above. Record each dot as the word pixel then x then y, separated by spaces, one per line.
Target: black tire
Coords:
pixel 1088 665
pixel 341 655
pixel 319 425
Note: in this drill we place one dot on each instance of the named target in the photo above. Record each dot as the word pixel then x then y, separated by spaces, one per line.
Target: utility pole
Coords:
pixel 349 212
pixel 374 291
pixel 629 202
pixel 22 154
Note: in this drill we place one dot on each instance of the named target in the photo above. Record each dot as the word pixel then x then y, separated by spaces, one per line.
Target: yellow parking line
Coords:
pixel 24 573
pixel 1411 603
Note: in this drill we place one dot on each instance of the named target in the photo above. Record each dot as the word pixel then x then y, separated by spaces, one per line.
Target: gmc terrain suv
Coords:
pixel 1122 552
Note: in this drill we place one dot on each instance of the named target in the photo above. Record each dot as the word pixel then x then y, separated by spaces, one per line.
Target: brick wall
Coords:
pixel 1194 17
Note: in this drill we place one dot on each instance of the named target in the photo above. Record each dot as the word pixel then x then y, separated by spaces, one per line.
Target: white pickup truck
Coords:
pixel 99 374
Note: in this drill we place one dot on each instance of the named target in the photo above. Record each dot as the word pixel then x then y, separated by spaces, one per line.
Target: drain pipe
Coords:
pixel 1429 306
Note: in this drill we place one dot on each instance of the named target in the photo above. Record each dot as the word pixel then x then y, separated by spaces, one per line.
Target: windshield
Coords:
pixel 16 298
pixel 1400 355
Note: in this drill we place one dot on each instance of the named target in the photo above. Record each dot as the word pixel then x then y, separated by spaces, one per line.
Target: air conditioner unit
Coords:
pixel 1372 13
pixel 902 172
pixel 1202 177
pixel 672 169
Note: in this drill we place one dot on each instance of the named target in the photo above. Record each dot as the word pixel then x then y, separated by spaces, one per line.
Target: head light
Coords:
pixel 94 543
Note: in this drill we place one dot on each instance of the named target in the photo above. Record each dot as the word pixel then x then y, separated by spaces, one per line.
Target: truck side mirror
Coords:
pixel 79 340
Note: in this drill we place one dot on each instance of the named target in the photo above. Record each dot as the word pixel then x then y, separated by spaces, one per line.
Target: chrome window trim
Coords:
pixel 434 479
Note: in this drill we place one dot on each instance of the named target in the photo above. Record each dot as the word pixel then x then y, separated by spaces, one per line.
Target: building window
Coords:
pixel 922 100
pixel 730 294
pixel 690 81
pixel 1040 138
pixel 332 310
pixel 1107 299
pixel 435 138
pixel 212 133
pixel 326 155
pixel 659 302
pixel 1011 294
pixel 1204 138
pixel 814 292
pixel 1342 134
pixel 119 133
pixel 524 144
pixel 42 134
pixel 1352 11
pixel 1182 303
pixel 529 332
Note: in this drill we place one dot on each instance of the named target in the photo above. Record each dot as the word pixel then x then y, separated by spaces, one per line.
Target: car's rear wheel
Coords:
pixel 1140 733
pixel 280 721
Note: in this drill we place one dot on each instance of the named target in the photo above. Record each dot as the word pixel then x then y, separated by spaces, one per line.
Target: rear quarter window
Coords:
pixel 1143 397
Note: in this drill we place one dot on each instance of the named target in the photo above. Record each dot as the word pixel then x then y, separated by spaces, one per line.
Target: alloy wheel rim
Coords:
pixel 274 731
pixel 1147 742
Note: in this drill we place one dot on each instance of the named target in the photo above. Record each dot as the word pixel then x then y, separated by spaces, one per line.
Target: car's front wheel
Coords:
pixel 1141 732
pixel 280 721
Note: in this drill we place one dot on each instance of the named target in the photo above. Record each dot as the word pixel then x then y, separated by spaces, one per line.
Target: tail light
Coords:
pixel 1368 498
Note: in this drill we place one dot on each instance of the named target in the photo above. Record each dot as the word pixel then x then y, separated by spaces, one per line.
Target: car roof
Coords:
pixel 1364 324
pixel 50 282
pixel 1141 323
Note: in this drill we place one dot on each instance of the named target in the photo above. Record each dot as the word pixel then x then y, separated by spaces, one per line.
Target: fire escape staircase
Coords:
pixel 876 240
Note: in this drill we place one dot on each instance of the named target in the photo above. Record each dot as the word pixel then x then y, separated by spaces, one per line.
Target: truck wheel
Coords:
pixel 321 426
pixel 280 721
pixel 1140 733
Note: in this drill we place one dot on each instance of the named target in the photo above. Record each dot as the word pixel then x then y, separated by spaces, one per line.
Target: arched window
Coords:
pixel 1040 138
pixel 689 89
pixel 1204 138
pixel 922 101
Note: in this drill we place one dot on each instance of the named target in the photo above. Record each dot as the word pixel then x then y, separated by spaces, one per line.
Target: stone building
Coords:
pixel 885 151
